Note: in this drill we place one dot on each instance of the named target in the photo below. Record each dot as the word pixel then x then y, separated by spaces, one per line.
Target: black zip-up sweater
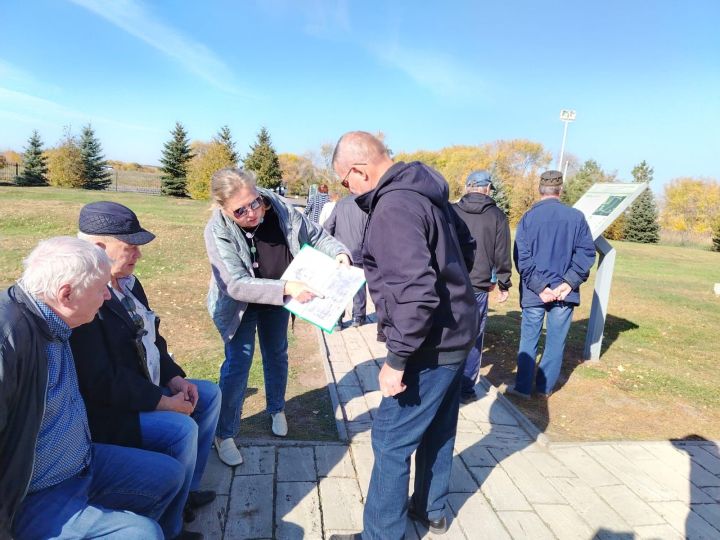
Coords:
pixel 415 268
pixel 490 229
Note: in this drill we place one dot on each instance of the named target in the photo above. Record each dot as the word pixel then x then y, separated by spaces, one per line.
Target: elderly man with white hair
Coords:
pixel 55 482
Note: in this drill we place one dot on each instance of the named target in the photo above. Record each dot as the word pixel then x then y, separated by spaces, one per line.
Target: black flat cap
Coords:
pixel 105 218
pixel 551 178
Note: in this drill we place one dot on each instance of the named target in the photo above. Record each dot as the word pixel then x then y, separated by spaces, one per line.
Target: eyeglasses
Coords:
pixel 344 182
pixel 240 212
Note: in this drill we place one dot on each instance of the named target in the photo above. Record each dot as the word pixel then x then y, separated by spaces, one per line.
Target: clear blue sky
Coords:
pixel 643 76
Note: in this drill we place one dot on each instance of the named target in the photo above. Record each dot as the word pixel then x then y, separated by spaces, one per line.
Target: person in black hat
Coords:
pixel 135 394
pixel 553 253
pixel 492 267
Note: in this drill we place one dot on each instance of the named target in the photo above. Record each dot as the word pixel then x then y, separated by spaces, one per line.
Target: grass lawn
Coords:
pixel 657 377
pixel 175 273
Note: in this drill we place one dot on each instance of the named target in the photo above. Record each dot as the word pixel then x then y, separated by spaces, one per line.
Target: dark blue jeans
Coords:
pixel 559 317
pixel 423 418
pixel 100 502
pixel 474 359
pixel 271 323
pixel 359 300
pixel 185 438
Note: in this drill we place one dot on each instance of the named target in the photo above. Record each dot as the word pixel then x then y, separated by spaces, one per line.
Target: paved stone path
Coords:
pixel 507 481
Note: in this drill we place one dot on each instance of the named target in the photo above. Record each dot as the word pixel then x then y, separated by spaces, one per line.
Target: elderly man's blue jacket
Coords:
pixel 553 245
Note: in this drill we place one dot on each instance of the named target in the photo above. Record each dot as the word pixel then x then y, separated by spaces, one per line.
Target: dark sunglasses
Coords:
pixel 240 212
pixel 344 182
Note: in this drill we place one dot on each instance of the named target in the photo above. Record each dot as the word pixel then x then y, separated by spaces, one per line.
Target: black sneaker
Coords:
pixel 438 526
pixel 196 499
pixel 356 536
pixel 358 322
pixel 468 398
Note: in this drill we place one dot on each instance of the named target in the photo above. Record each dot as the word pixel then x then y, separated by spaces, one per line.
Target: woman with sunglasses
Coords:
pixel 251 238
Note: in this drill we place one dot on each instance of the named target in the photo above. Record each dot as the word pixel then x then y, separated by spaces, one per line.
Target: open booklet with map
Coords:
pixel 337 283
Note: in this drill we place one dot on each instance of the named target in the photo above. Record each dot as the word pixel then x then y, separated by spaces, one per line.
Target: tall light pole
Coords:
pixel 566 116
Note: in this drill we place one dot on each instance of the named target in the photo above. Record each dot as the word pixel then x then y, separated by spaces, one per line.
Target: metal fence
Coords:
pixel 130 181
pixel 138 182
pixel 9 173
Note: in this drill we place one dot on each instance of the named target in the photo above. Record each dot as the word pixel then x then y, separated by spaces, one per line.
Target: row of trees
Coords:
pixel 75 162
pixel 692 206
pixel 187 168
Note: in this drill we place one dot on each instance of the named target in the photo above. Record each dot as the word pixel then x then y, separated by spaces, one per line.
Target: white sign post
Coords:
pixel 602 204
pixel 567 116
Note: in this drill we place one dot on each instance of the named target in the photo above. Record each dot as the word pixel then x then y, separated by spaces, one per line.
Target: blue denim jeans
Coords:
pixel 359 300
pixel 185 438
pixel 423 418
pixel 474 359
pixel 105 500
pixel 559 317
pixel 271 323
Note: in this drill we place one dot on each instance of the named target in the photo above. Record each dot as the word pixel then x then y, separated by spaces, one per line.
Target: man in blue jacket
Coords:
pixel 414 264
pixel 554 252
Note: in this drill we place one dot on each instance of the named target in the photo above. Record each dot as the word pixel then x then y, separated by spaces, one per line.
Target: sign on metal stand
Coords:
pixel 602 204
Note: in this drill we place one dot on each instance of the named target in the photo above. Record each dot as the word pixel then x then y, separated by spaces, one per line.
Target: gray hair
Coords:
pixel 227 182
pixel 95 238
pixel 358 146
pixel 63 260
pixel 550 190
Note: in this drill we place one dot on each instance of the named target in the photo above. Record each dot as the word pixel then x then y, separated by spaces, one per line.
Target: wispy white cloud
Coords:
pixel 135 19
pixel 318 18
pixel 27 108
pixel 439 73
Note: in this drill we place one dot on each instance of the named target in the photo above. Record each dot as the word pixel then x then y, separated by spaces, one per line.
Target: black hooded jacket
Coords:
pixel 490 229
pixel 415 268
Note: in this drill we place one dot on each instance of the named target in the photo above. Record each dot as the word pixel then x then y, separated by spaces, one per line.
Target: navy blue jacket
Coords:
pixel 415 268
pixel 552 244
pixel 113 377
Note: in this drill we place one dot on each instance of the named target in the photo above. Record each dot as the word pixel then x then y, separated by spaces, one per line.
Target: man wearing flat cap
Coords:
pixel 492 266
pixel 554 252
pixel 135 394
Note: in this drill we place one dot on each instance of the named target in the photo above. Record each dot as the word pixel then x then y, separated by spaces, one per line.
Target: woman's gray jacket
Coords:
pixel 233 284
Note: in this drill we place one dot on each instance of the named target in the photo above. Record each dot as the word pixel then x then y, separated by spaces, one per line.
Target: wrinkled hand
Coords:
pixel 342 258
pixel 561 291
pixel 178 385
pixel 492 287
pixel 502 296
pixel 548 295
pixel 176 403
pixel 390 380
pixel 301 291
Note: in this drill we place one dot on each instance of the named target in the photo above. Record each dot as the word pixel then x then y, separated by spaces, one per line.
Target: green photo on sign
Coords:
pixel 610 204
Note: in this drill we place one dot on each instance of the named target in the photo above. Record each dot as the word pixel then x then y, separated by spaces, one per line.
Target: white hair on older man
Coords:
pixel 63 260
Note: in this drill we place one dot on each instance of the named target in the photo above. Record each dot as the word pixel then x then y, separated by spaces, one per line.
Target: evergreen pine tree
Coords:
pixel 589 174
pixel 225 138
pixel 175 157
pixel 716 236
pixel 642 220
pixel 95 173
pixel 263 160
pixel 34 163
pixel 499 194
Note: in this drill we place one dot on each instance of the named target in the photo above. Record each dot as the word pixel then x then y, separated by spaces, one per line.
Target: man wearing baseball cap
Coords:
pixel 135 393
pixel 492 268
pixel 554 252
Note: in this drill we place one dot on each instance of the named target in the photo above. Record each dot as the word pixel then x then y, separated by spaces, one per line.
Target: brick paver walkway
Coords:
pixel 507 482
